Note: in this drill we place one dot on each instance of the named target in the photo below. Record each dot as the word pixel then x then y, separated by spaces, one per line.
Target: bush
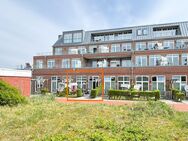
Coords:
pixel 93 93
pixel 9 95
pixel 44 91
pixel 118 93
pixel 63 93
pixel 174 92
pixel 179 96
pixel 79 93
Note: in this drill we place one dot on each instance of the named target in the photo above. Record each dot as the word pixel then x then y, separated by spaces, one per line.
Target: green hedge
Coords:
pixel 44 91
pixel 93 93
pixel 177 95
pixel 9 95
pixel 79 93
pixel 132 94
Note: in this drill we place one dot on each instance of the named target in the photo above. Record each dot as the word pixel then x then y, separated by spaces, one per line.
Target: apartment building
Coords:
pixel 153 56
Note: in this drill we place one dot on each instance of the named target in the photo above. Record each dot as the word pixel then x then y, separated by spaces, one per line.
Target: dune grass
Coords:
pixel 42 118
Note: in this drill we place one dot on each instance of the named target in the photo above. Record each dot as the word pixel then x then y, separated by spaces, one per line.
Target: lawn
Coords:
pixel 45 119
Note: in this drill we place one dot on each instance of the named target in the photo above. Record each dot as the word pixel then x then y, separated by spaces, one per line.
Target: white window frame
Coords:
pixel 82 50
pixel 172 58
pixel 155 57
pixel 183 61
pixel 115 48
pixel 139 32
pixel 158 81
pixel 141 46
pixel 65 63
pixel 168 43
pixel 67 38
pixel 179 81
pixel 141 60
pixel 58 51
pixel 54 81
pixel 76 63
pixel 51 63
pixel 77 37
pixel 103 49
pixel 73 51
pixel 124 81
pixel 142 81
pixel 39 64
pixel 126 47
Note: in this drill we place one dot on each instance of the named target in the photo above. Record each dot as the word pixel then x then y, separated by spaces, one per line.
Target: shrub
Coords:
pixel 63 93
pixel 93 93
pixel 179 96
pixel 79 93
pixel 118 93
pixel 9 95
pixel 157 94
pixel 44 91
pixel 174 92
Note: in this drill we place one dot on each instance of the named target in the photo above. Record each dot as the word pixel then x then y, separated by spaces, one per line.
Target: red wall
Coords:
pixel 22 83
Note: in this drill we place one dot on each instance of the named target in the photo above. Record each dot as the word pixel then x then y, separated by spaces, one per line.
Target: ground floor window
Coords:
pixel 54 84
pixel 109 83
pixel 158 83
pixel 143 81
pixel 179 82
pixel 81 81
pixel 123 82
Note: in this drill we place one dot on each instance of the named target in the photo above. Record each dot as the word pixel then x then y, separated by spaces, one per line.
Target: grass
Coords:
pixel 45 119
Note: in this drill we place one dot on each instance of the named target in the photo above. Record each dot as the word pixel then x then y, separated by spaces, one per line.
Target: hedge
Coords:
pixel 44 91
pixel 93 93
pixel 132 94
pixel 79 93
pixel 177 95
pixel 9 95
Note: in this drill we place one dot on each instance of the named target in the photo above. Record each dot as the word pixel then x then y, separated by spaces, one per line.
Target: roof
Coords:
pixel 87 34
pixel 15 72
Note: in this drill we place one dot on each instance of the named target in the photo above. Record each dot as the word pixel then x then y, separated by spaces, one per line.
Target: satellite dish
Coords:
pixel 186 88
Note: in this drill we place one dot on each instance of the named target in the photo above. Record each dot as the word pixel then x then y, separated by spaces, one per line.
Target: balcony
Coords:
pixel 166 33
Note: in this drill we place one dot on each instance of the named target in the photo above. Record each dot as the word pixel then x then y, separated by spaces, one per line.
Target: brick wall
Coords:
pixel 22 83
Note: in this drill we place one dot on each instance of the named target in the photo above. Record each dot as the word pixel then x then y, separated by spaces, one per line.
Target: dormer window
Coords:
pixel 68 38
pixel 77 37
pixel 139 32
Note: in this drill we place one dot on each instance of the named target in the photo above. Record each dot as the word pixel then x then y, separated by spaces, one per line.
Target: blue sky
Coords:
pixel 28 27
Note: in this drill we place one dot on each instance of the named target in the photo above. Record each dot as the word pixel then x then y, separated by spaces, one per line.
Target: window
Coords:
pixel 126 47
pixel 179 81
pixel 181 43
pixel 141 61
pixel 58 51
pixel 73 51
pixel 81 81
pixel 66 63
pixel 184 59
pixel 77 37
pixel 115 48
pixel 51 63
pixel 154 60
pixel 158 83
pixel 145 31
pixel 76 63
pixel 143 81
pixel 68 38
pixel 126 63
pixel 54 84
pixel 152 45
pixel 93 49
pixel 168 44
pixel 39 64
pixel 141 46
pixel 122 82
pixel 103 49
pixel 139 32
pixel 82 50
pixel 114 63
pixel 94 64
pixel 173 59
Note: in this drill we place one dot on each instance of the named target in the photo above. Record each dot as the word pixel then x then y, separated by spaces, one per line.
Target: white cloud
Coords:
pixel 23 34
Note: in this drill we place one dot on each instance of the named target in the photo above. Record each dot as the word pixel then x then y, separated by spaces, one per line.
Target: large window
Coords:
pixel 152 45
pixel 168 44
pixel 39 64
pixel 58 51
pixel 141 61
pixel 126 63
pixel 82 50
pixel 109 83
pixel 184 59
pixel 54 84
pixel 76 63
pixel 68 38
pixel 115 48
pixel 179 81
pixel 93 49
pixel 141 46
pixel 143 81
pixel 173 59
pixel 103 49
pixel 77 37
pixel 66 63
pixel 158 83
pixel 51 63
pixel 154 60
pixel 73 51
pixel 114 63
pixel 181 43
pixel 81 81
pixel 126 47
pixel 123 81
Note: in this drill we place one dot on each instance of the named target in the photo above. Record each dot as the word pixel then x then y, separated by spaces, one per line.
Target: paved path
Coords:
pixel 183 107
